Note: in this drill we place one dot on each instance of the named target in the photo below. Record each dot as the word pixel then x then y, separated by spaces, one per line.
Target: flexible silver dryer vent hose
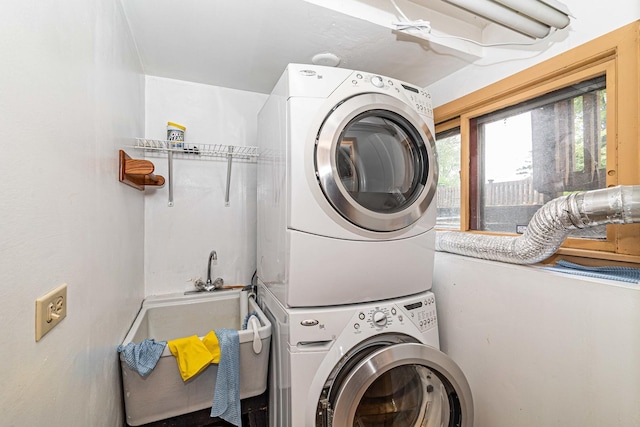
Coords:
pixel 550 226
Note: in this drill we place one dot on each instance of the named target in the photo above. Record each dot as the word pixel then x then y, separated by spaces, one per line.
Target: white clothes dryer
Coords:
pixel 365 365
pixel 347 175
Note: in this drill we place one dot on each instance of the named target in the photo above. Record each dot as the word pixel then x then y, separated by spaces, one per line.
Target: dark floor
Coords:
pixel 254 414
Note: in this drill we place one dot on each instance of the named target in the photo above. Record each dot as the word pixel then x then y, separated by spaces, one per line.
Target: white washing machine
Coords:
pixel 364 365
pixel 347 175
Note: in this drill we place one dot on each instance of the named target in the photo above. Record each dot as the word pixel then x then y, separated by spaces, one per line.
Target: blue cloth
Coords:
pixel 245 323
pixel 226 398
pixel 622 274
pixel 144 356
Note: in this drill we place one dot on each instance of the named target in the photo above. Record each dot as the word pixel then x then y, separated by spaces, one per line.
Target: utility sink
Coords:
pixel 162 394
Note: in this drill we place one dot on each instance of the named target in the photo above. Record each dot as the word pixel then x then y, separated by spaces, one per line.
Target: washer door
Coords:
pixel 375 161
pixel 402 385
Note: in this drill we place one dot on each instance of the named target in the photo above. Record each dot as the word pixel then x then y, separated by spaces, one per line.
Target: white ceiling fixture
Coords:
pixel 533 18
pixel 327 59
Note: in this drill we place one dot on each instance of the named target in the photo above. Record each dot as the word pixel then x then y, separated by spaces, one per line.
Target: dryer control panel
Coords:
pixel 419 98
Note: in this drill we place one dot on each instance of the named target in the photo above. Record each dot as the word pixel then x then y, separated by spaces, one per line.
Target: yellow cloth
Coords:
pixel 211 342
pixel 193 355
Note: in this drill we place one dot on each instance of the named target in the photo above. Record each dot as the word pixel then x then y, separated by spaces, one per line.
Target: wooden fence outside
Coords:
pixel 509 193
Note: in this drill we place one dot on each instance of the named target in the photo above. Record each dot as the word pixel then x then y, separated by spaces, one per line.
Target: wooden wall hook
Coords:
pixel 138 173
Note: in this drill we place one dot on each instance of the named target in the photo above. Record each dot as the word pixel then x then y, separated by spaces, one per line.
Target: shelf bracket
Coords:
pixel 137 173
pixel 170 176
pixel 229 162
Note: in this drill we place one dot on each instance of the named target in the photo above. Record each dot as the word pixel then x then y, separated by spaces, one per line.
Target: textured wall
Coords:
pixel 178 239
pixel 540 348
pixel 71 90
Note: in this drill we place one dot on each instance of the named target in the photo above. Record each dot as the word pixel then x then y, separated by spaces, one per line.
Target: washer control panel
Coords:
pixel 379 317
pixel 421 312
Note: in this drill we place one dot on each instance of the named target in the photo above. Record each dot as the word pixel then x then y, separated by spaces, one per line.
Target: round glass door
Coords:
pixel 403 385
pixel 375 161
pixel 410 395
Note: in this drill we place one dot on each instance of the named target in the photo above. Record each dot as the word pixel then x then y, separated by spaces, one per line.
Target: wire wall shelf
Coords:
pixel 196 151
pixel 191 150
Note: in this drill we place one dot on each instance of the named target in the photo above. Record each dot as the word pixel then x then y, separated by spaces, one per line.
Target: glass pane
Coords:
pixel 379 161
pixel 448 149
pixel 407 396
pixel 535 152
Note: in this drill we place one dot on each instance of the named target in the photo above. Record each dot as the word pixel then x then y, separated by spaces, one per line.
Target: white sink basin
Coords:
pixel 163 394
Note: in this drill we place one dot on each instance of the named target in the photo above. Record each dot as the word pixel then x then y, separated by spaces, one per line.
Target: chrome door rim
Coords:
pixel 383 360
pixel 331 184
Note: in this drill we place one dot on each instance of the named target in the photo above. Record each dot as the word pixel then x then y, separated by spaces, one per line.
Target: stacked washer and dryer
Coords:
pixel 346 213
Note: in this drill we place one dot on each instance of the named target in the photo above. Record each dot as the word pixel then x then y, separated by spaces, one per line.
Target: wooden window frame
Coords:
pixel 616 55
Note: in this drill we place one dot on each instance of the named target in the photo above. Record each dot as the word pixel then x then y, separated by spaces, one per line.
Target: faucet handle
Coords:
pixel 218 283
pixel 200 284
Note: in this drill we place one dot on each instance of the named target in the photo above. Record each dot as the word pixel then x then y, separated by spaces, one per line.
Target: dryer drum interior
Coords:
pixel 408 385
pixel 375 162
pixel 381 161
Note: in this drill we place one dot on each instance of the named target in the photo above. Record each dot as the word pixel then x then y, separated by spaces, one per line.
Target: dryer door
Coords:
pixel 375 161
pixel 403 385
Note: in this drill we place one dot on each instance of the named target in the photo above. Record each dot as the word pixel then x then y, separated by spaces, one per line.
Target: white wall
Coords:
pixel 592 19
pixel 541 348
pixel 71 89
pixel 178 239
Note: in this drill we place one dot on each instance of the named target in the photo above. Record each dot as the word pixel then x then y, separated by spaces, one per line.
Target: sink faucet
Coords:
pixel 210 285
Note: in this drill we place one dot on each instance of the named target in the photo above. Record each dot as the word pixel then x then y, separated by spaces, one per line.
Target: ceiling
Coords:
pixel 246 44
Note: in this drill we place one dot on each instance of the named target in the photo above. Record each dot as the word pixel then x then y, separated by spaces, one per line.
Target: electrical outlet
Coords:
pixel 50 310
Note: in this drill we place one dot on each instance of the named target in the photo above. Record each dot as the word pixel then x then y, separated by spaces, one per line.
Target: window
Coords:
pixel 448 194
pixel 568 124
pixel 533 152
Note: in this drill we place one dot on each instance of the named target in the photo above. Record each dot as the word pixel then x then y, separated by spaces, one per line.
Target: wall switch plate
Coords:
pixel 50 310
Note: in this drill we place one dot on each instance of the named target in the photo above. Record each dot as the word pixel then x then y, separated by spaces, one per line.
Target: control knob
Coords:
pixel 377 81
pixel 379 318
